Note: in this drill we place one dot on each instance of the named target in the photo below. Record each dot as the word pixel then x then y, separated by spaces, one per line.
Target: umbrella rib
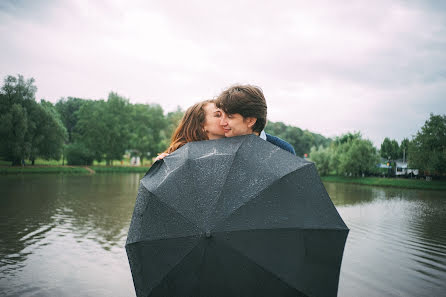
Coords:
pixel 161 239
pixel 259 266
pixel 173 209
pixel 257 195
pixel 179 262
pixel 285 229
pixel 226 177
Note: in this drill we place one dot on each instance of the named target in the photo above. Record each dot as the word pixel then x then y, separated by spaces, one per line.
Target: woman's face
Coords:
pixel 212 125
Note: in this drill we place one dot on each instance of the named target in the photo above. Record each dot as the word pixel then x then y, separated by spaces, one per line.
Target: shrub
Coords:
pixel 78 154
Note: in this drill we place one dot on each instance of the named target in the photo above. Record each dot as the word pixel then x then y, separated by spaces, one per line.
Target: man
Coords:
pixel 244 112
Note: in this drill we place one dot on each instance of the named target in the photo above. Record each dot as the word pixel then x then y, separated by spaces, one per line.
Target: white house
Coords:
pixel 402 169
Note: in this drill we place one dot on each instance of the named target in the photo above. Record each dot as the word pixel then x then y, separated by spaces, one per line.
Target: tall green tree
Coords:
pixel 90 129
pixel 301 140
pixel 427 149
pixel 68 110
pixel 173 119
pixel 27 129
pixel 104 127
pixel 147 124
pixel 15 144
pixel 350 154
pixel 390 149
pixel 49 133
pixel 404 149
pixel 17 100
pixel 321 158
pixel 360 157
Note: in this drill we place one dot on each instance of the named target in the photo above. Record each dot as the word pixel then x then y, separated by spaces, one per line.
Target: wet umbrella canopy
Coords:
pixel 234 217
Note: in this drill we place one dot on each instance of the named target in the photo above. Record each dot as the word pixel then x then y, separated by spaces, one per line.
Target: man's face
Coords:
pixel 235 124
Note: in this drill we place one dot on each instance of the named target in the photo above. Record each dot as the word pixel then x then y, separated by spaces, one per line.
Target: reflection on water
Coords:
pixel 397 241
pixel 65 235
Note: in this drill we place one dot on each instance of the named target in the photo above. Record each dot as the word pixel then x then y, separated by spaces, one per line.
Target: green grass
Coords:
pixel 43 169
pixel 38 162
pixel 389 182
pixel 71 169
pixel 120 169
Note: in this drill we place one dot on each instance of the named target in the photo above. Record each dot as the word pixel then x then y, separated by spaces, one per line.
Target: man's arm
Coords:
pixel 280 143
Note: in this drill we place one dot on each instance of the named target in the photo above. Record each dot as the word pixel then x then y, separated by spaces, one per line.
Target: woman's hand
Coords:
pixel 161 156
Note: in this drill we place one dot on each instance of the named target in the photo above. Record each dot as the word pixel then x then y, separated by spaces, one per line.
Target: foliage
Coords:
pixel 360 157
pixel 49 134
pixel 173 119
pixel 321 158
pixel 302 141
pixel 427 149
pixel 16 142
pixel 146 126
pixel 390 149
pixel 27 129
pixel 389 182
pixel 79 154
pixel 404 149
pixel 103 127
pixel 68 111
pixel 348 154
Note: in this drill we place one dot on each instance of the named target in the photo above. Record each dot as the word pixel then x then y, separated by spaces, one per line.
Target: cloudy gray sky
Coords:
pixel 378 67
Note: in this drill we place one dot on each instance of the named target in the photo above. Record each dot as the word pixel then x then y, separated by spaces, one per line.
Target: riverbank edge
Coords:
pixel 367 181
pixel 389 182
pixel 72 169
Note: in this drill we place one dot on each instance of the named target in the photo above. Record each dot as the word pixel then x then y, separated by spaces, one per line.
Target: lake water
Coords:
pixel 64 235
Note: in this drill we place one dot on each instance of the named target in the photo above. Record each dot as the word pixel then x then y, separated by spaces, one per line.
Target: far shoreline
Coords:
pixel 68 169
pixel 393 182
pixel 415 184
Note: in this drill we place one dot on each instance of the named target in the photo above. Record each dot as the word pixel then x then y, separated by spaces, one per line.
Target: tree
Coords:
pixel 302 141
pixel 17 99
pixel 321 158
pixel 427 149
pixel 16 125
pixel 68 110
pixel 173 119
pixel 404 149
pixel 16 143
pixel 49 133
pixel 103 127
pixel 360 158
pixel 90 129
pixel 147 124
pixel 27 129
pixel 350 154
pixel 390 149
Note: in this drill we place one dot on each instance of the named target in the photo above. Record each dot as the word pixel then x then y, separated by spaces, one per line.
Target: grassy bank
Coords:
pixel 389 182
pixel 120 169
pixel 71 169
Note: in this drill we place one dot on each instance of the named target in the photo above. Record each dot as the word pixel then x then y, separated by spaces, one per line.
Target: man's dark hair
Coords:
pixel 247 100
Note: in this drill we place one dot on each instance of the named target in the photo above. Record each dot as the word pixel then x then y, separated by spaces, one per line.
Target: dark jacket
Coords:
pixel 280 143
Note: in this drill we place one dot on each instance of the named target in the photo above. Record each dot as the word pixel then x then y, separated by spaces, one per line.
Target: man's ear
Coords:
pixel 251 121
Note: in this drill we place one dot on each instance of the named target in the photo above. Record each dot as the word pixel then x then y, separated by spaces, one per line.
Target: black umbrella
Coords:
pixel 234 217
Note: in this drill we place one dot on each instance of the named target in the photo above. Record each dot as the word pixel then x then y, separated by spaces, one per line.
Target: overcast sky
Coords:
pixel 378 67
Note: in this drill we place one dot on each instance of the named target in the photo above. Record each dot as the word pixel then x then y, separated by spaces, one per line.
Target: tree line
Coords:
pixel 83 130
pixel 350 154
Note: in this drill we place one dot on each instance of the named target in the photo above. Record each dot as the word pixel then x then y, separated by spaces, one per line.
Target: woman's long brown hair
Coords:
pixel 190 127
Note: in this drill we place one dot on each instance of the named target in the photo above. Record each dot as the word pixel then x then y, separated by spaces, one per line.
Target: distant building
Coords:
pixel 402 169
pixel 135 161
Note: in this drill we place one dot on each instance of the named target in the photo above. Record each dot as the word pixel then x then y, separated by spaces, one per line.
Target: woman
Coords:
pixel 201 121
